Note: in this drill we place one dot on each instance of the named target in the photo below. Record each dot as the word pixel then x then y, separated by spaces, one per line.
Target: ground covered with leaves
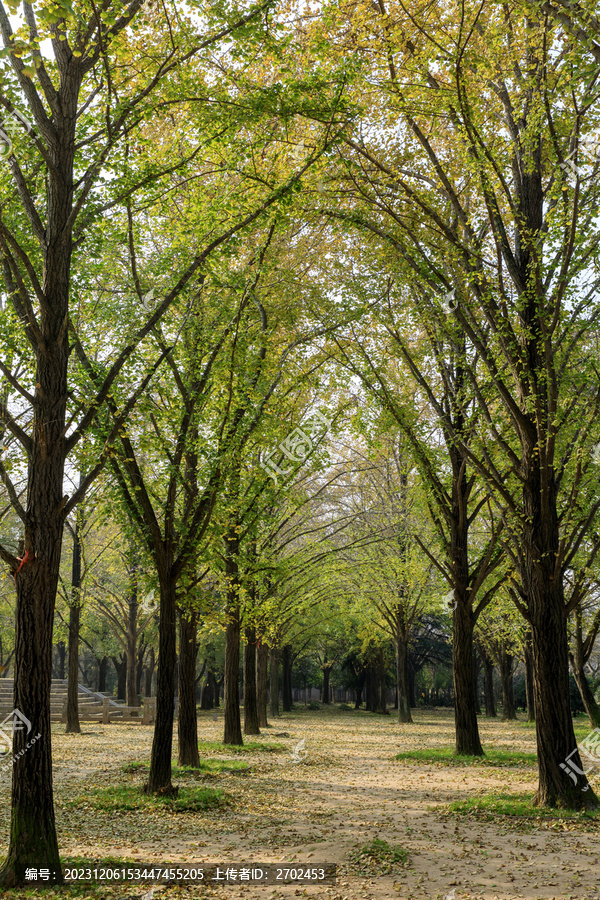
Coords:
pixel 388 803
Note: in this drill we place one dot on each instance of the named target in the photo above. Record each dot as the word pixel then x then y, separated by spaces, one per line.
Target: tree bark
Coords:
pixel 159 780
pixel 207 700
pixel 327 667
pixel 359 689
pixel 102 667
pixel 274 684
pixel 121 670
pixel 73 726
pixel 139 668
pixel 547 615
pixel 476 670
pixel 251 725
pixel 286 679
pixel 381 691
pixel 402 680
pixel 62 652
pixel 506 661
pixel 149 672
pixel 527 659
pixel 233 725
pixel 488 687
pixel 187 722
pixel 261 686
pixel 465 713
pixel 578 661
pixel 131 651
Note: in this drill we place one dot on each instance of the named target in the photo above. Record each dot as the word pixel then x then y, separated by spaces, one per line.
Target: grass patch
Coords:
pixel 500 758
pixel 516 805
pixel 249 747
pixel 378 858
pixel 124 797
pixel 206 767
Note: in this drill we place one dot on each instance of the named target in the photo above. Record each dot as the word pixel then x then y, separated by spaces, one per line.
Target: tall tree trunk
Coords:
pixel 207 700
pixel 465 708
pixel 187 723
pixel 159 780
pixel 506 660
pixel 411 685
pixel 233 725
pixel 381 699
pixel 261 683
pixel 121 670
pixel 359 689
pixel 476 670
pixel 286 678
pixel 62 652
pixel 149 672
pixel 274 685
pixel 102 668
pixel 131 651
pixel 402 680
pixel 250 699
pixel 528 660
pixel 327 667
pixel 73 726
pixel 578 661
pixel 488 687
pixel 139 669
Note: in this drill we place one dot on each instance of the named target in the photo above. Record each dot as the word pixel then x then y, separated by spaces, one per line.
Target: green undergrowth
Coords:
pixel 499 758
pixel 126 797
pixel 518 805
pixel 206 747
pixel 206 767
pixel 377 858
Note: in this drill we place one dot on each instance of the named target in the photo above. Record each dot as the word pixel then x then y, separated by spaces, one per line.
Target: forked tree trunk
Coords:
pixel 286 678
pixel 261 683
pixel 274 683
pixel 402 680
pixel 73 726
pixel 159 780
pixel 250 699
pixel 187 723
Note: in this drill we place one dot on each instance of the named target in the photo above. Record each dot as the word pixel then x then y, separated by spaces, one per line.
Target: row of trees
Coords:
pixel 230 233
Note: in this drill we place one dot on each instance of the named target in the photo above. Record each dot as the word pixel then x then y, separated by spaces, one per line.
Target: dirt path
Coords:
pixel 348 791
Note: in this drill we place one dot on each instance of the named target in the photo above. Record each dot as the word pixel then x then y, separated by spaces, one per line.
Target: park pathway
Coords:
pixel 348 791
